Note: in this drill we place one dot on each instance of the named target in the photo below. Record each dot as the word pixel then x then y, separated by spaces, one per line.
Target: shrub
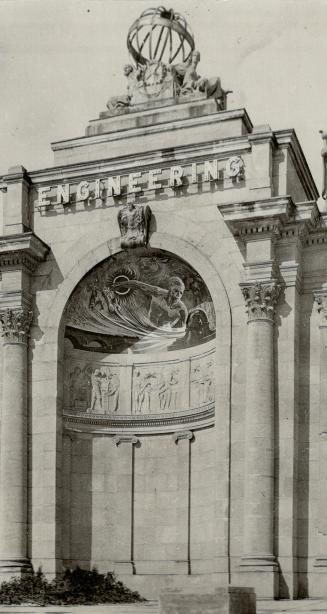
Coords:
pixel 75 587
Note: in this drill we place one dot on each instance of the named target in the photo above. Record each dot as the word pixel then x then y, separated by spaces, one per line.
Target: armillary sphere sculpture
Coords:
pixel 164 65
pixel 160 35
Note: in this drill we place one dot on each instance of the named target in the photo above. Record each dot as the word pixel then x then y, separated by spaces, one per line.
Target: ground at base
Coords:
pixel 303 606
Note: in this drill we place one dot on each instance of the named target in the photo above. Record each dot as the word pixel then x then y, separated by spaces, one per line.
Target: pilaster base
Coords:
pixel 261 572
pixel 14 568
pixel 318 577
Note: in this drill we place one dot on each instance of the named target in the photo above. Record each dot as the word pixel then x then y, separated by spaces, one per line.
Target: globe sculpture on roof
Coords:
pixel 164 68
pixel 160 35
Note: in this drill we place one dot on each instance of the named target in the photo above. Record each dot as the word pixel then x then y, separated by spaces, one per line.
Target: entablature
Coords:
pixel 24 250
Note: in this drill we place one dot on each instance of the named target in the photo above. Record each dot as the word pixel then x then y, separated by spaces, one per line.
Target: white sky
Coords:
pixel 60 60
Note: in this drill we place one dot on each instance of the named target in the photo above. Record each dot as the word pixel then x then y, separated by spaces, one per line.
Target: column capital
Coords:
pixel 15 325
pixel 260 299
pixel 320 297
pixel 182 435
pixel 122 438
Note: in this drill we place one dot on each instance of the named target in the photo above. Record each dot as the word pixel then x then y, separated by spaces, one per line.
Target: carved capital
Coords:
pixel 260 299
pixel 15 325
pixel 320 297
pixel 118 439
pixel 182 435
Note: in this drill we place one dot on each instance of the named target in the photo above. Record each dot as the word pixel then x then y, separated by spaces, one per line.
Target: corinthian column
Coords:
pixel 13 450
pixel 258 556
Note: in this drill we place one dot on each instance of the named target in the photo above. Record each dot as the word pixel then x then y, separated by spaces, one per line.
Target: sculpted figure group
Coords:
pixel 93 389
pixel 155 392
pixel 153 80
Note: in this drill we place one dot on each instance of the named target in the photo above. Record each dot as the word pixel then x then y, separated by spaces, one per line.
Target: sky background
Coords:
pixel 60 60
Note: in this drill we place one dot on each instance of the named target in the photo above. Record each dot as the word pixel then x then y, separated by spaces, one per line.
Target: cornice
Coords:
pixel 261 134
pixel 123 165
pixel 288 139
pixel 180 124
pixel 258 217
pixel 16 174
pixel 277 217
pixel 22 250
pixel 137 424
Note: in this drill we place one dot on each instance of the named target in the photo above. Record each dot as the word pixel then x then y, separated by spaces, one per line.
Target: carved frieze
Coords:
pixel 15 324
pixel 98 388
pixel 159 388
pixel 93 388
pixel 260 299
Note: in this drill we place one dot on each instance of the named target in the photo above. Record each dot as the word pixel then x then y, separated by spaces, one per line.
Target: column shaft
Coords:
pixel 259 439
pixel 13 460
pixel 259 482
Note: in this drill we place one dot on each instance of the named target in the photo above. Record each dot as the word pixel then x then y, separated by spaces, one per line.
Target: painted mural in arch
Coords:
pixel 139 301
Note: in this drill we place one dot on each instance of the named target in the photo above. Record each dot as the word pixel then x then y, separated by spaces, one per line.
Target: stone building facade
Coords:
pixel 164 351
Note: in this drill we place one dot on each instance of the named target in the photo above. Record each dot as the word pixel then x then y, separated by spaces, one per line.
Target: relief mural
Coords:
pixel 159 390
pixel 92 388
pixel 141 300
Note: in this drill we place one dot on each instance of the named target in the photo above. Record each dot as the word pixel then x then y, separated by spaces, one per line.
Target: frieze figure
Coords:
pixel 202 390
pixel 134 223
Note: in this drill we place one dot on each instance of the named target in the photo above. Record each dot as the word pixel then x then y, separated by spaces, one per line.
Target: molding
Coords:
pixel 262 134
pixel 147 424
pixel 16 299
pixel 291 274
pixel 276 217
pixel 17 174
pixel 258 560
pixel 263 272
pixel 107 137
pixel 288 139
pixel 23 250
pixel 320 561
pixel 260 217
pixel 124 165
